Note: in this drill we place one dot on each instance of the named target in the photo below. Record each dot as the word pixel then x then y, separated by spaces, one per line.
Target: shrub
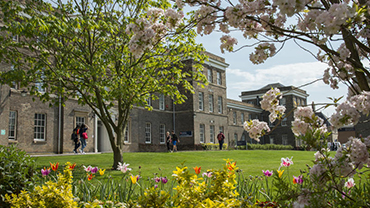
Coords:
pixel 212 146
pixel 269 147
pixel 16 171
pixel 52 194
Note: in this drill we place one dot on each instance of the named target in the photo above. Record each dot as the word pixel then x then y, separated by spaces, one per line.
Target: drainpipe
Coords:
pixel 173 115
pixel 96 133
pixel 59 125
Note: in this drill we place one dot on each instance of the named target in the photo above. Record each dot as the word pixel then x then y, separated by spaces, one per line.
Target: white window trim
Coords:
pixel 201 101
pixel 45 122
pixel 15 125
pixel 201 133
pixel 148 131
pixel 162 136
pixel 212 134
pixel 210 101
pixel 161 102
pixel 127 141
pixel 219 103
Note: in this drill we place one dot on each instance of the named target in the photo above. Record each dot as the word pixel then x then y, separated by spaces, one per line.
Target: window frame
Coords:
pixel 36 127
pixel 210 101
pixel 219 103
pixel 148 132
pixel 126 137
pixel 212 133
pixel 162 133
pixel 161 102
pixel 219 78
pixel 210 76
pixel 284 139
pixel 201 133
pixel 12 123
pixel 201 101
pixel 234 118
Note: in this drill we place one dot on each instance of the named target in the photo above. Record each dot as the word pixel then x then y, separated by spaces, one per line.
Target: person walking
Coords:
pixel 175 140
pixel 83 137
pixel 76 138
pixel 168 140
pixel 221 138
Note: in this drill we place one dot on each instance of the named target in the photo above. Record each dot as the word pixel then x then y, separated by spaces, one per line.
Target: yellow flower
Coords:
pixel 134 179
pixel 280 173
pixel 101 171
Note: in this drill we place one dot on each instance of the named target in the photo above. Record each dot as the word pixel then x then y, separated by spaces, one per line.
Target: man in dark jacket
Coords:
pixel 221 138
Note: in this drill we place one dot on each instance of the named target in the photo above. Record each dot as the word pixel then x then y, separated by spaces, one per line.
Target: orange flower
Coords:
pixel 197 170
pixel 90 176
pixel 231 166
pixel 54 167
pixel 71 167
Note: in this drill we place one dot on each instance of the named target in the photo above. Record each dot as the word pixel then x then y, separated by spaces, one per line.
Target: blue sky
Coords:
pixel 291 66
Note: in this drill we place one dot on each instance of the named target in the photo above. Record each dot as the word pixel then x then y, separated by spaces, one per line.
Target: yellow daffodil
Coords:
pixel 101 171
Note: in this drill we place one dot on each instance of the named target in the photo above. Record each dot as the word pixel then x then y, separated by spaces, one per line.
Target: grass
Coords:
pixel 251 162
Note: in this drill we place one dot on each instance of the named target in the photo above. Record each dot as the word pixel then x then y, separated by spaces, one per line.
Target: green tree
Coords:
pixel 107 54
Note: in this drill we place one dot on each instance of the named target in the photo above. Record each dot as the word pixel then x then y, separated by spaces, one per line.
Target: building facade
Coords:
pixel 37 127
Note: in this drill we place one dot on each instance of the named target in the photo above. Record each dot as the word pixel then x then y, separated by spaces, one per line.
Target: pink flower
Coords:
pixel 157 180
pixel 88 168
pixel 123 167
pixel 45 171
pixel 208 174
pixel 298 179
pixel 94 170
pixel 267 173
pixel 164 180
pixel 286 162
pixel 350 183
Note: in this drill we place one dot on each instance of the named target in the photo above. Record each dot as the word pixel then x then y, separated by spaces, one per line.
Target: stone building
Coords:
pixel 37 127
pixel 281 132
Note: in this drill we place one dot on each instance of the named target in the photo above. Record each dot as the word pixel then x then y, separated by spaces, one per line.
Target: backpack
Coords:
pixel 74 135
pixel 220 137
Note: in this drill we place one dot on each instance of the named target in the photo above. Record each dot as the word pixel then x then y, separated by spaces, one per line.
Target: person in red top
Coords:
pixel 221 138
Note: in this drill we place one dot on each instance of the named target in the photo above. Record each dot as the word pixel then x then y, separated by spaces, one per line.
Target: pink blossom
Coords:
pixel 45 171
pixel 267 173
pixel 286 162
pixel 88 168
pixel 164 180
pixel 350 183
pixel 123 167
pixel 94 170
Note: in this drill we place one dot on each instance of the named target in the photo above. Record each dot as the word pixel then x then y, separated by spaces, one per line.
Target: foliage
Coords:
pixel 17 170
pixel 50 194
pixel 109 55
pixel 212 146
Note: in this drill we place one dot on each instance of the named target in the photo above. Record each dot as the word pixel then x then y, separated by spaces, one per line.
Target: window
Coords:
pixel 127 133
pixel 234 118
pixel 40 82
pixel 201 107
pixel 243 137
pixel 210 76
pixel 242 117
pixel 219 104
pixel 201 133
pixel 283 101
pixel 303 102
pixel 161 102
pixel 15 38
pixel 14 84
pixel 249 117
pixel 221 129
pixel 40 126
pixel 271 140
pixel 284 121
pixel 298 142
pixel 148 100
pixel 12 125
pixel 148 133
pixel 212 133
pixel 219 80
pixel 235 137
pixel 210 100
pixel 162 133
pixel 284 139
pixel 295 102
pixel 80 120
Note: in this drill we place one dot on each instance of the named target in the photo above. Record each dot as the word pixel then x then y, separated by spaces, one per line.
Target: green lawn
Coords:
pixel 252 162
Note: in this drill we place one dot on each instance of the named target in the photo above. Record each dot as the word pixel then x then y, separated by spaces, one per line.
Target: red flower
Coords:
pixel 197 170
pixel 90 176
pixel 71 167
pixel 54 167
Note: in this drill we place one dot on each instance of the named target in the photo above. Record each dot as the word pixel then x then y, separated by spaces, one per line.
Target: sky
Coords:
pixel 291 66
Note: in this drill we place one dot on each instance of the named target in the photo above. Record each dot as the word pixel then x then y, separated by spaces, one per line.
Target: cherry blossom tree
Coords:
pixel 321 23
